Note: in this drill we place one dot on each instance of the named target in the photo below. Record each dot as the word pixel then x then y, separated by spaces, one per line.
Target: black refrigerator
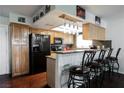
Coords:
pixel 39 48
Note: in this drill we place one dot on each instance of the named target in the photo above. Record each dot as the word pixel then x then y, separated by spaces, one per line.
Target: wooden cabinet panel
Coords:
pixel 16 68
pixel 93 32
pixel 16 31
pixel 25 35
pixel 24 59
pixel 68 39
pixel 71 39
pixel 52 35
pixel 20 49
pixel 86 31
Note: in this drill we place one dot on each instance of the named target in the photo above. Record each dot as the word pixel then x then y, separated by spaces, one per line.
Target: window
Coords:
pixel 83 43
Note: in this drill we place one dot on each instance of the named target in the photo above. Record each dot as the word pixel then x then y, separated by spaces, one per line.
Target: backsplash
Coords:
pixel 105 43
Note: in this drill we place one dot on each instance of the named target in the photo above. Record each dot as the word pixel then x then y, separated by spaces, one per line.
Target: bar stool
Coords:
pixel 114 60
pixel 107 61
pixel 97 67
pixel 79 75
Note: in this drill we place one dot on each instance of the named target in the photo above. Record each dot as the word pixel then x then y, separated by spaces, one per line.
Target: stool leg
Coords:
pixel 102 79
pixel 89 81
pixel 118 68
pixel 73 84
pixel 69 80
pixel 112 68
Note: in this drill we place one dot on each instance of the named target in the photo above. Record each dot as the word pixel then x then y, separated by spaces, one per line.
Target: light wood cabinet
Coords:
pixel 20 49
pixel 45 32
pixel 67 38
pixel 52 35
pixel 93 32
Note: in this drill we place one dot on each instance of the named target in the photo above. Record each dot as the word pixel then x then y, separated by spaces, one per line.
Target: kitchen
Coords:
pixel 67 34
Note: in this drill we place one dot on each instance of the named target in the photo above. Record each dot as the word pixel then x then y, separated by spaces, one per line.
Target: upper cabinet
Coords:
pixel 67 38
pixel 93 32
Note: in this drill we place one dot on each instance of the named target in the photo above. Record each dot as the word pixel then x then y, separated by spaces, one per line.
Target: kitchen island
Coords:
pixel 58 65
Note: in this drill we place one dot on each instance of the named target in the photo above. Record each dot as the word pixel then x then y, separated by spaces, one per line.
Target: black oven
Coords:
pixel 58 41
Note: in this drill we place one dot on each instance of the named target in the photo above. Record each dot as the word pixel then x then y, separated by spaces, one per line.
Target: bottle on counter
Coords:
pixel 103 47
pixel 98 47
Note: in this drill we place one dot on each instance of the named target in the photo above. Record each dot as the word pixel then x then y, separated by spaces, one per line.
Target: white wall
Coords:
pixel 91 18
pixel 4 20
pixel 4 52
pixel 71 9
pixel 13 17
pixel 115 32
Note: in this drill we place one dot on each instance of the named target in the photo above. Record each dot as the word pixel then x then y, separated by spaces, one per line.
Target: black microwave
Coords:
pixel 58 40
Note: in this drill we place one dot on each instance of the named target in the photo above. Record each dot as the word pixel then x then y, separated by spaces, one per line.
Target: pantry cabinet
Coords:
pixel 93 32
pixel 20 49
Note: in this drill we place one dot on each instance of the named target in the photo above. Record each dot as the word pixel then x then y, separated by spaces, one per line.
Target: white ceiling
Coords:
pixel 105 11
pixel 26 10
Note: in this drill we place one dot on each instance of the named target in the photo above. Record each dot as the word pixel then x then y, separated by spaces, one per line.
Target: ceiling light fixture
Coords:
pixel 70 26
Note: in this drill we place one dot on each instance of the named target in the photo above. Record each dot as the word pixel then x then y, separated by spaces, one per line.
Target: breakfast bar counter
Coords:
pixel 58 64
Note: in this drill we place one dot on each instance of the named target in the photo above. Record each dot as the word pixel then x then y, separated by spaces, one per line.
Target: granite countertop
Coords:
pixel 53 55
pixel 72 51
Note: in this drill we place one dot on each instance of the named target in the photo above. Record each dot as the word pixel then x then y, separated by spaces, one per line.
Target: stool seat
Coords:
pixel 113 58
pixel 78 70
pixel 95 65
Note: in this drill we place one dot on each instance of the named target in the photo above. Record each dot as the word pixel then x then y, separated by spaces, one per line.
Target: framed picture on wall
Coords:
pixel 97 20
pixel 80 12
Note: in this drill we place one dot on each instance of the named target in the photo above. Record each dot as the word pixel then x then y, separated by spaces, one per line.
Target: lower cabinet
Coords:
pixel 51 72
pixel 16 60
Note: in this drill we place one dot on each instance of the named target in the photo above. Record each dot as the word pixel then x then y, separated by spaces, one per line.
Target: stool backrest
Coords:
pixel 101 54
pixel 118 51
pixel 109 52
pixel 88 57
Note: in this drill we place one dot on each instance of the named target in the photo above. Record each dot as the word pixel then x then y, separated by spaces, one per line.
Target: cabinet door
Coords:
pixel 71 41
pixel 16 60
pixel 25 35
pixel 52 35
pixel 92 32
pixel 16 48
pixel 102 34
pixel 86 31
pixel 24 60
pixel 65 39
pixel 24 50
pixel 16 34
